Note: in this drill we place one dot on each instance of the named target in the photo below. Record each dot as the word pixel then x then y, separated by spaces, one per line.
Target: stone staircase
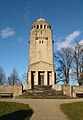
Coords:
pixel 43 92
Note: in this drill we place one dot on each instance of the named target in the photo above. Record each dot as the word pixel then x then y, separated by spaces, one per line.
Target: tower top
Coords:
pixel 39 22
pixel 41 19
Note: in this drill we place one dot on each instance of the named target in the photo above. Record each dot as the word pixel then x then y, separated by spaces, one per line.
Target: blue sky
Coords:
pixel 16 18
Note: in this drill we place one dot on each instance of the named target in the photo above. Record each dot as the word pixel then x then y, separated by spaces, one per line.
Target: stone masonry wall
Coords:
pixel 67 90
pixel 16 89
pixel 72 90
pixel 57 87
pixel 77 89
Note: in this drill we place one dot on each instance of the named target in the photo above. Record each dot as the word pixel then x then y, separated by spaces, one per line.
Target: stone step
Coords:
pixel 39 96
pixel 38 87
pixel 43 92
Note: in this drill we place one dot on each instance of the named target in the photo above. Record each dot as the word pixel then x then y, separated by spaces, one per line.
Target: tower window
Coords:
pixel 42 42
pixel 34 26
pixel 36 38
pixel 39 42
pixel 41 32
pixel 40 26
pixel 44 26
pixel 37 26
pixel 47 26
pixel 46 38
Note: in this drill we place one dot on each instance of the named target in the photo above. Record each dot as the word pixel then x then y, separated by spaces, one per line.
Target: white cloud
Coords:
pixel 22 40
pixel 27 13
pixel 81 42
pixel 6 32
pixel 72 36
pixel 68 40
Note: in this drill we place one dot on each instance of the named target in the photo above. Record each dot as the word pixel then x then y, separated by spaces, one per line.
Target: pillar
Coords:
pixel 45 78
pixel 50 78
pixel 36 78
pixel 29 79
pixel 53 77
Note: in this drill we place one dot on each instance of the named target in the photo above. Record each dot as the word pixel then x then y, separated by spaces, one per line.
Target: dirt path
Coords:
pixel 45 109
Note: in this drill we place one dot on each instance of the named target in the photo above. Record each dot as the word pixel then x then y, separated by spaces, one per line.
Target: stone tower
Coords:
pixel 41 64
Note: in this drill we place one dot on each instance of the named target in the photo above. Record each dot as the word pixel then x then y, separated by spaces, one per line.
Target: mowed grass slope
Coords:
pixel 15 111
pixel 73 110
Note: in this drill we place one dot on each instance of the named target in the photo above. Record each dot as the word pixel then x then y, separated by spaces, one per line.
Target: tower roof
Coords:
pixel 41 19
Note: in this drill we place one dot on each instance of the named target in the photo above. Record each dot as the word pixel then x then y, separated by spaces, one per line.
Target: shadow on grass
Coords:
pixel 18 115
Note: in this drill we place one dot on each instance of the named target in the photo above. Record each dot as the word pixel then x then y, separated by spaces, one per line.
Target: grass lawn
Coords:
pixel 15 111
pixel 73 110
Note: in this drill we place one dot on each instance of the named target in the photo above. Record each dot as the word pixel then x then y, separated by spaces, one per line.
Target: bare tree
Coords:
pixel 13 78
pixel 78 60
pixel 2 76
pixel 81 69
pixel 24 77
pixel 63 60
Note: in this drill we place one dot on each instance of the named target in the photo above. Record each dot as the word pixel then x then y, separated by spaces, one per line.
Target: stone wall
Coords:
pixel 68 90
pixel 16 89
pixel 57 87
pixel 77 89
pixel 72 90
pixel 26 86
pixel 6 89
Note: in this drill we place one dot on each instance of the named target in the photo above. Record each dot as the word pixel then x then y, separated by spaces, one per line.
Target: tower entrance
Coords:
pixel 41 78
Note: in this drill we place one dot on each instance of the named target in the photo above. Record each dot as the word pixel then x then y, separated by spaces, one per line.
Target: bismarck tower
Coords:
pixel 41 64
